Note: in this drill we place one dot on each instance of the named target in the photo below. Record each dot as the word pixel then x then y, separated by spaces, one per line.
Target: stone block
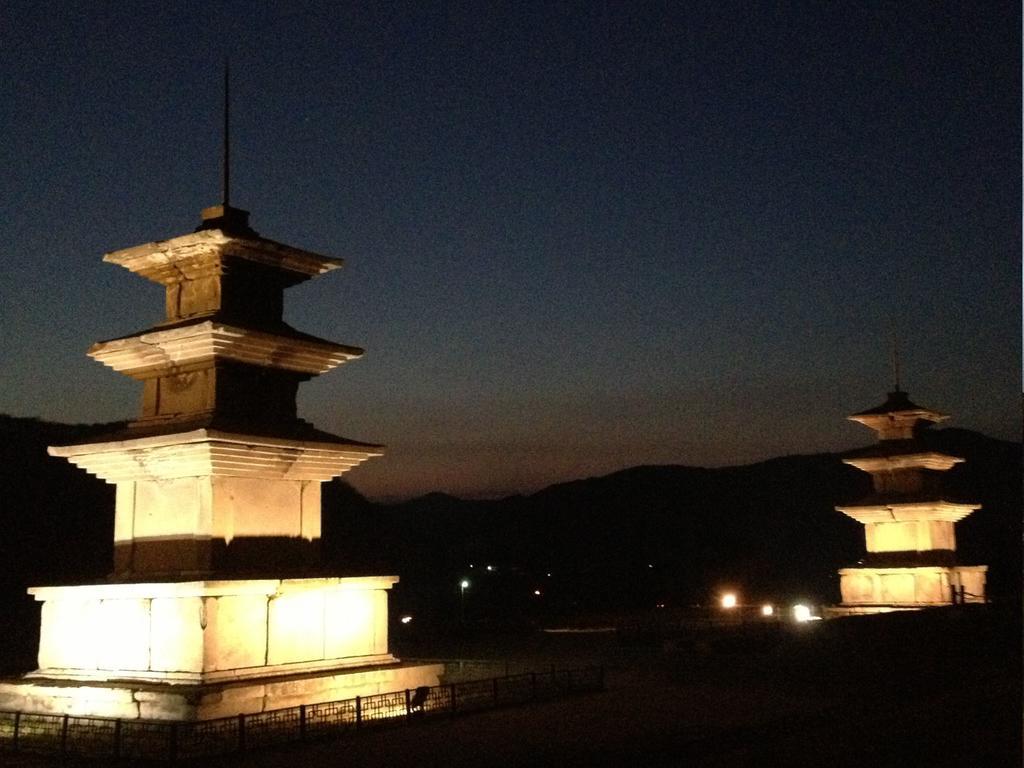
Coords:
pixel 176 634
pixel 236 632
pixel 124 641
pixel 296 627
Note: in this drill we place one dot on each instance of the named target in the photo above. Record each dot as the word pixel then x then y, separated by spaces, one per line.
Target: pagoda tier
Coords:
pixel 908 519
pixel 207 502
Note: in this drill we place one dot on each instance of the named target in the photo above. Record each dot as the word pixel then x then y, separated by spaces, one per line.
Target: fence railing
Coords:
pixel 150 740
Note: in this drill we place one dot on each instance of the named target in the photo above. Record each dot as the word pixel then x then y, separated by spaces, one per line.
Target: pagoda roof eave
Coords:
pixel 214 428
pixel 868 418
pixel 896 448
pixel 211 453
pixel 155 260
pixel 910 511
pixel 898 404
pixel 173 345
pixel 875 462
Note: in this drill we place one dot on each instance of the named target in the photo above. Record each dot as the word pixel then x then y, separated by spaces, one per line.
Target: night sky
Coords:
pixel 579 236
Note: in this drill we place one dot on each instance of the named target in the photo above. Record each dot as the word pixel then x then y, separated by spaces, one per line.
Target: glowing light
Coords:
pixel 536 592
pixel 767 610
pixel 729 600
pixel 464 583
pixel 406 619
pixel 801 612
pixel 490 567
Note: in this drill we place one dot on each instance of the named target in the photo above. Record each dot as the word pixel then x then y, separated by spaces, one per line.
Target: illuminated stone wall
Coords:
pixel 917 587
pixel 207 631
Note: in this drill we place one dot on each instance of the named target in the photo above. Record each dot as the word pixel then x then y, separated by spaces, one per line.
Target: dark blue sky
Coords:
pixel 579 236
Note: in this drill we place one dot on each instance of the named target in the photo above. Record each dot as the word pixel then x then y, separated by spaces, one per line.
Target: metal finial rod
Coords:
pixel 896 357
pixel 226 160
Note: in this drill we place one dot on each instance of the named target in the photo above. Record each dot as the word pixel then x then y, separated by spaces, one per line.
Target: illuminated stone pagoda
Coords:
pixel 217 603
pixel 908 521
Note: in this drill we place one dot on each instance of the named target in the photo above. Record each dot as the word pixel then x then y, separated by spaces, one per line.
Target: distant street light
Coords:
pixel 463 586
pixel 767 610
pixel 801 612
pixel 729 600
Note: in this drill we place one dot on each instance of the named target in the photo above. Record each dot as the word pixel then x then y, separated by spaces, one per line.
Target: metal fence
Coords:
pixel 147 740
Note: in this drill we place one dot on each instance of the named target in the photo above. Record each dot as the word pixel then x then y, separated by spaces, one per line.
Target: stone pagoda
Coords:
pixel 908 521
pixel 217 603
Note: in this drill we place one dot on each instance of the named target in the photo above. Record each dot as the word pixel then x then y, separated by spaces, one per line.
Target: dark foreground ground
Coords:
pixel 941 688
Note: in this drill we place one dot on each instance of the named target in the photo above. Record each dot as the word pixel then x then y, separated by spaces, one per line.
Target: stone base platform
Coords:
pixel 877 590
pixel 185 702
pixel 206 649
pixel 213 630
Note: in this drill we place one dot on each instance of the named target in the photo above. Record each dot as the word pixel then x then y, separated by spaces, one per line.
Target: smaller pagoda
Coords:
pixel 908 519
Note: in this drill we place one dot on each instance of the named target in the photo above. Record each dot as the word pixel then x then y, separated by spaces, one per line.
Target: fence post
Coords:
pixel 117 738
pixel 454 703
pixel 302 722
pixel 241 732
pixel 359 711
pixel 17 725
pixel 408 706
pixel 64 735
pixel 174 742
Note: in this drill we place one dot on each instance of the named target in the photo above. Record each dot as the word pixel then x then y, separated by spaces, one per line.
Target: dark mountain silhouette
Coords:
pixel 770 529
pixel 628 540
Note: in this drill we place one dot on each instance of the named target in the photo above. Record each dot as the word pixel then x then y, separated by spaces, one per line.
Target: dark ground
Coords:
pixel 937 688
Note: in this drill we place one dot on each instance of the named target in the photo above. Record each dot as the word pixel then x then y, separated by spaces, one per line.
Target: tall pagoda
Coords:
pixel 217 604
pixel 908 519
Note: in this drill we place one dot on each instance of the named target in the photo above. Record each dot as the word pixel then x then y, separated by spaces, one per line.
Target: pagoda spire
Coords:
pixel 226 159
pixel 230 220
pixel 895 358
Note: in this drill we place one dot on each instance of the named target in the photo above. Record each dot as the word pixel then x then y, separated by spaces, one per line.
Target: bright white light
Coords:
pixel 406 619
pixel 767 610
pixel 490 567
pixel 801 612
pixel 464 583
pixel 729 600
pixel 536 592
